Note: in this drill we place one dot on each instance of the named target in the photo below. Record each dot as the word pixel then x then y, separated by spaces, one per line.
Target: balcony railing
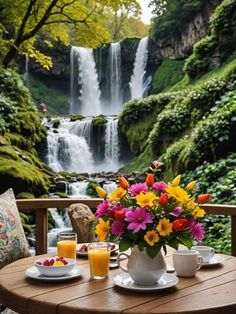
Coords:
pixel 41 205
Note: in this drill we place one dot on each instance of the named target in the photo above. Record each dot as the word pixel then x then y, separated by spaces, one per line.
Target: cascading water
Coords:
pixel 138 85
pixel 114 80
pixel 68 151
pixel 112 150
pixel 78 189
pixel 88 101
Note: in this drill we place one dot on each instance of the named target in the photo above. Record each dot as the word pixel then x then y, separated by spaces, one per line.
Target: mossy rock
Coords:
pixel 99 120
pixel 56 123
pixel 75 117
pixel 25 195
pixel 61 194
pixel 91 188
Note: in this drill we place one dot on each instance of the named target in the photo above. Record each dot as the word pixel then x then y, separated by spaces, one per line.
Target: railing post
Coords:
pixel 41 231
pixel 233 235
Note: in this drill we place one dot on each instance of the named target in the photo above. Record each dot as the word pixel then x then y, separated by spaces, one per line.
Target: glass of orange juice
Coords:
pixel 66 244
pixel 98 255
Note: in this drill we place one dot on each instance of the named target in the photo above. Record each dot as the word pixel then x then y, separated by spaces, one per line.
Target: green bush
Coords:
pixel 7 112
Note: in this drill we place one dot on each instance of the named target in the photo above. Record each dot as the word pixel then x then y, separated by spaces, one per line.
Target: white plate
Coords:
pixel 32 272
pixel 123 280
pixel 215 260
pixel 86 253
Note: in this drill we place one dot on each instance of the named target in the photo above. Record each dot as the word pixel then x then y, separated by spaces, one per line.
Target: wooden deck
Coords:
pixel 41 206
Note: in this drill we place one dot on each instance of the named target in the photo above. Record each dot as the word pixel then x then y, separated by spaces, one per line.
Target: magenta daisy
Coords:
pixel 137 188
pixel 102 208
pixel 159 186
pixel 117 228
pixel 197 230
pixel 138 219
pixel 177 211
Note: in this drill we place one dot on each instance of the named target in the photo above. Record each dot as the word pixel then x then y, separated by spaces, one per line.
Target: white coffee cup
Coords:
pixel 186 262
pixel 206 252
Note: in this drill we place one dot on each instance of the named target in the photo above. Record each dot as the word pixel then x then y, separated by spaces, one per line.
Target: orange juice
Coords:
pixel 99 262
pixel 66 248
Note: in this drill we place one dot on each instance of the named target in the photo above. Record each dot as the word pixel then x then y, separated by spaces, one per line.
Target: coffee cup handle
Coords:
pixel 119 260
pixel 200 260
pixel 212 252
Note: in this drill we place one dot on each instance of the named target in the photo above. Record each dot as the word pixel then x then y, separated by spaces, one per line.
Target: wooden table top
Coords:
pixel 213 290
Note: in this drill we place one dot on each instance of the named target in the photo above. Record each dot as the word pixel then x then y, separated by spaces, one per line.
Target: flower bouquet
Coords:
pixel 151 214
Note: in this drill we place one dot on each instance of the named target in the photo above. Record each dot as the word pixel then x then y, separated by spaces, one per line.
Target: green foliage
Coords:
pixel 135 110
pixel 173 21
pixel 75 117
pixel 25 195
pixel 212 50
pixel 56 99
pixel 91 189
pixel 169 73
pixel 7 112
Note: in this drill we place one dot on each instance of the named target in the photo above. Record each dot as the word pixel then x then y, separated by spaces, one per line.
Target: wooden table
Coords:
pixel 213 290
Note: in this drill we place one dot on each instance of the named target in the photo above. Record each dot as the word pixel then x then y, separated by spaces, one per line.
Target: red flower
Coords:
pixel 163 199
pixel 119 215
pixel 179 224
pixel 123 183
pixel 203 198
pixel 150 179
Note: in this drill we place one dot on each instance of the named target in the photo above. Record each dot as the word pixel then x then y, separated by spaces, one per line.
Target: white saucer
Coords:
pixel 32 272
pixel 215 260
pixel 123 280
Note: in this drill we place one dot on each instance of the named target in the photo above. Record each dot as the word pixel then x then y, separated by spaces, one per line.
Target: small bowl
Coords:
pixel 54 271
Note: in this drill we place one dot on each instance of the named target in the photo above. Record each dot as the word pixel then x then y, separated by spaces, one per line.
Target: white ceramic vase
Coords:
pixel 143 269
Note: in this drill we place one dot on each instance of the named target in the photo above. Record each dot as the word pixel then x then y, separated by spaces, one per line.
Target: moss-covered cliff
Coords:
pixel 21 134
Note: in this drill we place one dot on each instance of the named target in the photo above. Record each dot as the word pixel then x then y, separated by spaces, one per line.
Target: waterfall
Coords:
pixel 138 86
pixel 89 93
pixel 78 189
pixel 109 186
pixel 68 151
pixel 62 223
pixel 83 128
pixel 112 150
pixel 115 78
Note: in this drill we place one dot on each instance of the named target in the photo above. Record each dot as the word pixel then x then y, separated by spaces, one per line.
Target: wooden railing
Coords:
pixel 41 206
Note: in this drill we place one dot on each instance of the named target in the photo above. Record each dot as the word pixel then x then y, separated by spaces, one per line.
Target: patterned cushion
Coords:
pixel 13 244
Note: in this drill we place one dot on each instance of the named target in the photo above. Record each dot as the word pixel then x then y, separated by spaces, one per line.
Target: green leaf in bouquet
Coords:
pixel 153 250
pixel 125 244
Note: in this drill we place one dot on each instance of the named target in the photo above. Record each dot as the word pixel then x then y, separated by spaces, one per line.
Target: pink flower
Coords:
pixel 159 186
pixel 177 211
pixel 111 211
pixel 138 219
pixel 117 228
pixel 197 230
pixel 102 208
pixel 137 188
pixel 157 163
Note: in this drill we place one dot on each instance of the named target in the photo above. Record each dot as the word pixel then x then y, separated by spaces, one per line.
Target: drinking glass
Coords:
pixel 98 255
pixel 66 244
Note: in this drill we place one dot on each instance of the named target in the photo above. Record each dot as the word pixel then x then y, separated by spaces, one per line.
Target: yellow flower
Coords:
pixel 100 192
pixel 164 227
pixel 176 181
pixel 146 200
pixel 102 229
pixel 191 204
pixel 191 185
pixel 178 193
pixel 151 237
pixel 117 194
pixel 198 212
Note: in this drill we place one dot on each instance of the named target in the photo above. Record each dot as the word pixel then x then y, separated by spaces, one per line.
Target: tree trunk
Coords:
pixel 9 56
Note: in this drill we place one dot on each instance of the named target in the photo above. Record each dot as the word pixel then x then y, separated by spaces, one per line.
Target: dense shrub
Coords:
pixel 7 112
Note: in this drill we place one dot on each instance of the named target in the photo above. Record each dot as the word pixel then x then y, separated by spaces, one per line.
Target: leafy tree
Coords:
pixel 21 21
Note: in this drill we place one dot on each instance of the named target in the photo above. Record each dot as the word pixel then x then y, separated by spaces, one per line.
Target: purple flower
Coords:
pixel 197 230
pixel 117 228
pixel 159 186
pixel 177 211
pixel 137 188
pixel 111 211
pixel 102 208
pixel 138 219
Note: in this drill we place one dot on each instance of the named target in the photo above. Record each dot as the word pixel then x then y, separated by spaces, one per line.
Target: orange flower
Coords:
pixel 203 198
pixel 120 215
pixel 163 199
pixel 150 179
pixel 123 183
